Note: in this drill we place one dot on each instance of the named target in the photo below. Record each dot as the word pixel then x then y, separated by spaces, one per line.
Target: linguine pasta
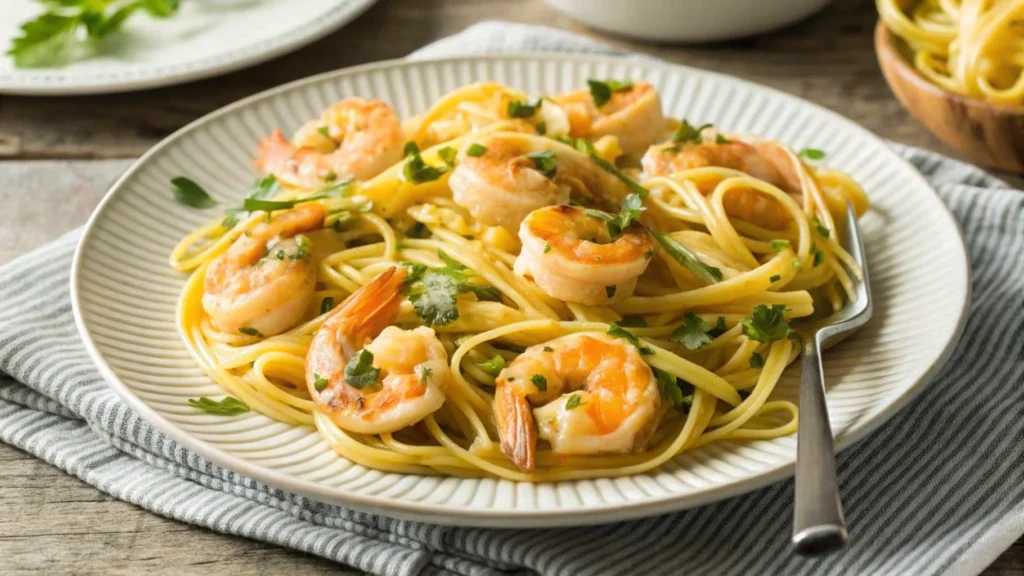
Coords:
pixel 709 314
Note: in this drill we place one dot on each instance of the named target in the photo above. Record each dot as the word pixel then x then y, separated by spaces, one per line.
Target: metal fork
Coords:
pixel 818 523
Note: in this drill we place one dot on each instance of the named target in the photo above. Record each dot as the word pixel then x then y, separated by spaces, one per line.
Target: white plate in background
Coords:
pixel 205 38
pixel 124 294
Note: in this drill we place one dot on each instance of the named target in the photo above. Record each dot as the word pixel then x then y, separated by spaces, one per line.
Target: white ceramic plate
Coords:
pixel 205 38
pixel 124 294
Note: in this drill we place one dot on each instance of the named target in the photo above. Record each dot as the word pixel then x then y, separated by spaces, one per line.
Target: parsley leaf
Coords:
pixel 766 324
pixel 319 382
pixel 433 297
pixel 719 139
pixel 688 133
pixel 544 162
pixel 523 108
pixel 449 261
pixel 779 245
pixel 601 91
pixel 476 150
pixel 672 391
pixel 573 402
pixel 540 382
pixel 687 259
pixel 610 291
pixel 693 332
pixel 819 257
pixel 359 372
pixel 191 194
pixel 232 218
pixel 425 373
pixel 326 305
pixel 821 227
pixel 494 366
pixel 587 148
pixel 632 206
pixel 775 278
pixel 417 230
pixel 415 169
pixel 338 190
pixel 250 332
pixel 72 29
pixel 448 155
pixel 812 153
pixel 228 406
pixel 620 332
pixel 756 360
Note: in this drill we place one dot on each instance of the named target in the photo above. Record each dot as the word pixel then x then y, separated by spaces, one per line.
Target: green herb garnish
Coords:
pixel 359 372
pixel 326 305
pixel 775 278
pixel 601 91
pixel 319 382
pixel 540 382
pixel 228 406
pixel 632 207
pixel 191 194
pixel 415 169
pixel 756 360
pixel 694 332
pixel 610 291
pixel 523 108
pixel 476 150
pixel 544 161
pixel 619 332
pixel 633 322
pixel 448 154
pixel 687 259
pixel 779 245
pixel 250 332
pixel 494 366
pixel 766 324
pixel 688 133
pixel 812 153
pixel 573 402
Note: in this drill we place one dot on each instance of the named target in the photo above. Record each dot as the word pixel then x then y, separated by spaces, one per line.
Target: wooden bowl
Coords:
pixel 989 133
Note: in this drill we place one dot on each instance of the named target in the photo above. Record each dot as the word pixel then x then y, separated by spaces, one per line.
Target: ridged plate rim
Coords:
pixel 508 518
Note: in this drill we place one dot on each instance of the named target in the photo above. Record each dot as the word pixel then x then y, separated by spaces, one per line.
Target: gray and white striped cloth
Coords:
pixel 939 489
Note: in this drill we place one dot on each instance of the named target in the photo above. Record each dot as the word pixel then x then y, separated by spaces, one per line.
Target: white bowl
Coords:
pixel 687 20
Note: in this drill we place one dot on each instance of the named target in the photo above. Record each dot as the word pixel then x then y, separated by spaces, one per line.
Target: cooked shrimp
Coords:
pixel 355 137
pixel 503 184
pixel 632 115
pixel 595 395
pixel 264 282
pixel 413 364
pixel 572 256
pixel 763 160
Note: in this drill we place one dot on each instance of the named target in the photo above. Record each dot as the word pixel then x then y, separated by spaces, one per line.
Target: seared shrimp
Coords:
pixel 355 137
pixel 413 365
pixel 572 257
pixel 764 160
pixel 264 282
pixel 595 395
pixel 633 115
pixel 505 182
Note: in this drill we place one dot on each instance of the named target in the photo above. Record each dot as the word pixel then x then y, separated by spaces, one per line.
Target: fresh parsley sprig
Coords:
pixel 687 259
pixel 632 206
pixel 228 406
pixel 416 170
pixel 695 333
pixel 433 292
pixel 359 372
pixel 766 324
pixel 620 332
pixel 73 29
pixel 601 90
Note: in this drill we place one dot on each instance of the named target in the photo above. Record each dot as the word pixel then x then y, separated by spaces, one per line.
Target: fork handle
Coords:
pixel 818 523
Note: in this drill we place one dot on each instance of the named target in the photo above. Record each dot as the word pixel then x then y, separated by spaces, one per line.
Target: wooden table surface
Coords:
pixel 51 521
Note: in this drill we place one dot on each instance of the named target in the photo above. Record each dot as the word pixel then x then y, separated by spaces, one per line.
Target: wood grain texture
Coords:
pixel 989 133
pixel 54 523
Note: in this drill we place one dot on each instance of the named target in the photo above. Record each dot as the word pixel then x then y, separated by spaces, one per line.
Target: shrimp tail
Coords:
pixel 516 427
pixel 368 310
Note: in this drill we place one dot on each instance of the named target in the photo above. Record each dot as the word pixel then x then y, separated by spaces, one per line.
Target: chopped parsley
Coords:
pixel 417 230
pixel 324 131
pixel 189 193
pixel 766 324
pixel 425 373
pixel 688 133
pixel 326 305
pixel 549 349
pixel 818 256
pixel 542 127
pixel 601 91
pixel 619 332
pixel 587 148
pixel 476 150
pixel 632 206
pixel 448 155
pixel 547 248
pixel 228 406
pixel 359 372
pixel 433 292
pixel 319 382
pixel 449 261
pixel 523 108
pixel 719 139
pixel 633 322
pixel 574 401
pixel 687 259
pixel 756 360
pixel 494 366
pixel 775 278
pixel 265 188
pixel 540 382
pixel 544 161
pixel 694 332
pixel 779 245
pixel 338 190
pixel 415 169
pixel 250 332
pixel 610 291
pixel 672 391
pixel 812 153
pixel 821 227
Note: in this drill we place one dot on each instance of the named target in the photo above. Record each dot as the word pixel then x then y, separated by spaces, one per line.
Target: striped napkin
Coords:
pixel 939 489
